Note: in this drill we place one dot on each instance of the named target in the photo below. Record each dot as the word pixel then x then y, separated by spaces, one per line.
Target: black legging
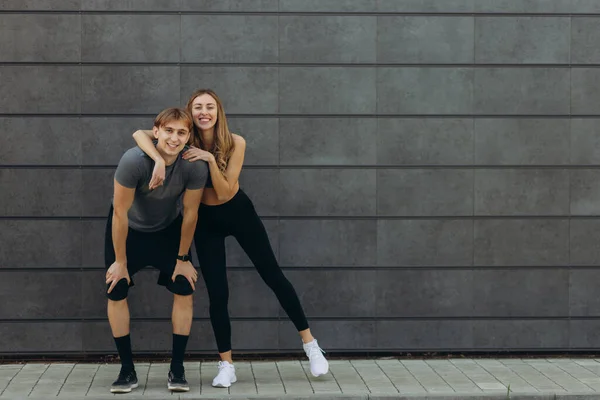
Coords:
pixel 238 218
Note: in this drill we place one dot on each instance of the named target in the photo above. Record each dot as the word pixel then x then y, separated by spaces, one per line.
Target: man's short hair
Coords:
pixel 173 114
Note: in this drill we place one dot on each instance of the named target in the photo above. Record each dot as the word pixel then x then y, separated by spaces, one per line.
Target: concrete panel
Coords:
pixel 327 6
pixel 130 5
pixel 424 243
pixel 40 38
pixel 332 335
pixel 327 39
pixel 522 141
pixel 343 293
pixel 436 6
pixel 129 89
pixel 524 6
pixel 424 90
pixel 584 90
pixel 513 242
pixel 584 248
pixel 321 243
pixel 525 293
pixel 585 141
pixel 46 89
pixel 130 38
pixel 105 139
pixel 521 91
pixel 427 293
pixel 430 192
pixel 328 192
pixel 416 141
pixel 35 293
pixel 262 139
pixel 48 192
pixel 428 40
pixel 522 40
pixel 584 37
pixel 230 5
pixel 327 90
pixel 521 192
pixel 229 38
pixel 520 334
pixel 40 337
pixel 50 141
pixel 424 335
pixel 585 192
pixel 583 301
pixel 41 5
pixel 243 90
pixel 327 141
pixel 40 243
pixel 262 186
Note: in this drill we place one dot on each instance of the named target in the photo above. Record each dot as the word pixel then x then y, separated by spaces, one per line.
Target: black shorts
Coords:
pixel 156 249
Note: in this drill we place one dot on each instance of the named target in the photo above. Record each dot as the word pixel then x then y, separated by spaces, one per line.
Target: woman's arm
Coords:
pixel 225 183
pixel 143 139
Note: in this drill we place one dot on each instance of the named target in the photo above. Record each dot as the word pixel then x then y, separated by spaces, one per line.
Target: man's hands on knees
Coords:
pixel 187 270
pixel 116 272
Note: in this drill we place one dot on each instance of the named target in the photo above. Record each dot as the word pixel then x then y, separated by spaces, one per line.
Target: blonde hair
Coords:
pixel 173 114
pixel 223 144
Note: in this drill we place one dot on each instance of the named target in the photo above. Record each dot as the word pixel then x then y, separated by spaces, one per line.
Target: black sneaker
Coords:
pixel 177 382
pixel 126 381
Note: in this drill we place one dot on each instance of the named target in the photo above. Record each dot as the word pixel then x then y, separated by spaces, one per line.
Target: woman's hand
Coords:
pixel 195 154
pixel 158 175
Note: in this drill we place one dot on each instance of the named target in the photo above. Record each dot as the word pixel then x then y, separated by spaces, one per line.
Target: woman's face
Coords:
pixel 204 112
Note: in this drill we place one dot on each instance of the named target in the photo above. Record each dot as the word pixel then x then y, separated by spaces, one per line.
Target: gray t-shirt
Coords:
pixel 153 210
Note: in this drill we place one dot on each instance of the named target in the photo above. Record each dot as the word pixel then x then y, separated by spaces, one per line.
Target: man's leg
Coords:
pixel 183 312
pixel 118 318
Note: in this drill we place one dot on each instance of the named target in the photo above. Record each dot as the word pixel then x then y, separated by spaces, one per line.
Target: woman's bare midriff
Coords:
pixel 209 197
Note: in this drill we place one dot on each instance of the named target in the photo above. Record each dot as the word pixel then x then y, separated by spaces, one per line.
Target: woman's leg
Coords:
pixel 210 248
pixel 253 238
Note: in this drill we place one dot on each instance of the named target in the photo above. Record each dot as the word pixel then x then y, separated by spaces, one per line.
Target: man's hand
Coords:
pixel 115 273
pixel 187 270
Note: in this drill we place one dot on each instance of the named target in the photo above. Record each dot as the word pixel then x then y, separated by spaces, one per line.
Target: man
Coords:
pixel 150 227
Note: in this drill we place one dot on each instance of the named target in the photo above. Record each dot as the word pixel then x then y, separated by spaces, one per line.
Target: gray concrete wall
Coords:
pixel 427 170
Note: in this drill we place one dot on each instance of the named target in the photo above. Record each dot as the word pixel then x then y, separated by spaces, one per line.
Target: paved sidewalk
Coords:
pixel 442 379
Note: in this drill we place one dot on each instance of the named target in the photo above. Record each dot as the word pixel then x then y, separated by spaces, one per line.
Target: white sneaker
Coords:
pixel 226 375
pixel 318 364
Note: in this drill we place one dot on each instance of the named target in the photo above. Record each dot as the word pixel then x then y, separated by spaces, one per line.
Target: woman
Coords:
pixel 225 211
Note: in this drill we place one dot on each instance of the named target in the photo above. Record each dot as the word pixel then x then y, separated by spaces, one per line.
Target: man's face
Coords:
pixel 172 137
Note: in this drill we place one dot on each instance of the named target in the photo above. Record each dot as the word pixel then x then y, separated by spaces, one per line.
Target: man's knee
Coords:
pixel 181 286
pixel 120 290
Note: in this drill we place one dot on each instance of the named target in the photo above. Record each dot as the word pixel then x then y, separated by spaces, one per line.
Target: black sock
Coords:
pixel 179 344
pixel 124 347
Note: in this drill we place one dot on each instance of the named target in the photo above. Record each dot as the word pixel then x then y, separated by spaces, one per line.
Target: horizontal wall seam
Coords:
pixel 283 166
pixel 329 268
pixel 448 14
pixel 296 64
pixel 305 116
pixel 315 318
pixel 337 218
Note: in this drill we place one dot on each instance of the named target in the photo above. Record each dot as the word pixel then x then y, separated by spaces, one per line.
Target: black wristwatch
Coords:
pixel 184 257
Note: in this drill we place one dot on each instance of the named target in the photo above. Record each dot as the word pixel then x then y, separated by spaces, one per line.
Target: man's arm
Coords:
pixel 191 202
pixel 123 199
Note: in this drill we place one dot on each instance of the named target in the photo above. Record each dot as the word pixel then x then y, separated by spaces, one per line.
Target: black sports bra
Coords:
pixel 208 181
